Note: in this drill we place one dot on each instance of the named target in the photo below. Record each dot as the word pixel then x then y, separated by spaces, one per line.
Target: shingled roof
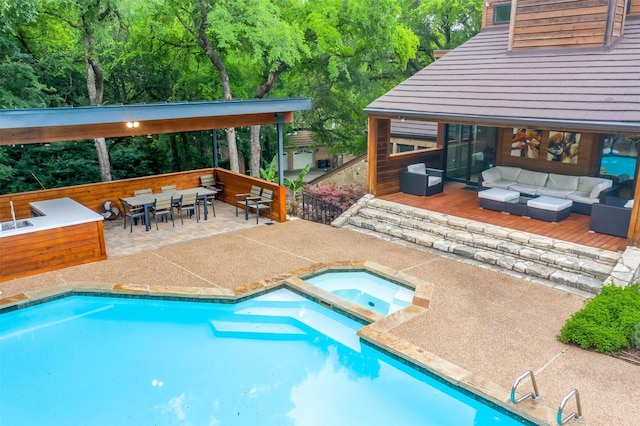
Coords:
pixel 482 83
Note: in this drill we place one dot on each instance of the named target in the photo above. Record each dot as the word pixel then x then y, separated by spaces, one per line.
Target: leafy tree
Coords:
pixel 359 50
pixel 440 25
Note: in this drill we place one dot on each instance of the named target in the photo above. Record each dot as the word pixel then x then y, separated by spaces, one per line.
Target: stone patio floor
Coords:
pixel 492 324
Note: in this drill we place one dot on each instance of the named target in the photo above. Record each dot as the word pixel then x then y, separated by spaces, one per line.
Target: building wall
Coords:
pixel 586 158
pixel 559 23
pixel 384 168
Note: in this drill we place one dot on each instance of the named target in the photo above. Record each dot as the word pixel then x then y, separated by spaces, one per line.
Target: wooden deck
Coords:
pixel 458 201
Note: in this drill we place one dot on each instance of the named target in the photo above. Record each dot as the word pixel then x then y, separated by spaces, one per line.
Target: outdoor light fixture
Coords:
pixel 132 124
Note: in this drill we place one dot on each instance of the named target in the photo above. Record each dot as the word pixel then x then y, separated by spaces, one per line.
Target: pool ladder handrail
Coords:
pixel 535 395
pixel 573 415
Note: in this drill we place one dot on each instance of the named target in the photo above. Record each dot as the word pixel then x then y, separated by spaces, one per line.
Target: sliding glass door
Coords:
pixel 469 150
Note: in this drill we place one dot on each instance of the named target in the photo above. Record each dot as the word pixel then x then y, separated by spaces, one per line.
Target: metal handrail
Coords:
pixel 317 210
pixel 575 414
pixel 534 396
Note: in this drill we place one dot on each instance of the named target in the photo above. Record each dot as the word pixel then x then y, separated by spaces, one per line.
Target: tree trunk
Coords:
pixel 255 151
pixel 203 41
pixel 95 88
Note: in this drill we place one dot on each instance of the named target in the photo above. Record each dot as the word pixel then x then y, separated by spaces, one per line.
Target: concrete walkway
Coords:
pixel 489 323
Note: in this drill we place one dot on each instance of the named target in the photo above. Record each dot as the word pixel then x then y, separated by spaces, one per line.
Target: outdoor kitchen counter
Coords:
pixel 49 214
pixel 63 233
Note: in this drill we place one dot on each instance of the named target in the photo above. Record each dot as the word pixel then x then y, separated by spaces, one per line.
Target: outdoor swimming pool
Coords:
pixel 365 289
pixel 618 165
pixel 277 359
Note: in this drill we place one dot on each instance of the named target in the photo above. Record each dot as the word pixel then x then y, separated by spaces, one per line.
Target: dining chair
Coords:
pixel 210 182
pixel 264 202
pixel 241 199
pixel 168 188
pixel 162 207
pixel 190 205
pixel 207 199
pixel 132 212
pixel 142 191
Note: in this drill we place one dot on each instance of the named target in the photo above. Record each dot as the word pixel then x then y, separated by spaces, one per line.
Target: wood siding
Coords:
pixel 635 8
pixel 89 131
pixel 384 169
pixel 236 183
pixel 559 23
pixel 94 195
pixel 587 156
pixel 488 13
pixel 51 249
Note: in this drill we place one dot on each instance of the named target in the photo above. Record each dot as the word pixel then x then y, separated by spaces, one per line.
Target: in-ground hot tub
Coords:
pixel 365 289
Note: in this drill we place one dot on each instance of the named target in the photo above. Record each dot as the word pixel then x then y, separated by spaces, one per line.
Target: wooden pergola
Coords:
pixel 40 125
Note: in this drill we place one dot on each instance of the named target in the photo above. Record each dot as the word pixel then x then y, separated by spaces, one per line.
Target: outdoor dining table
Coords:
pixel 147 200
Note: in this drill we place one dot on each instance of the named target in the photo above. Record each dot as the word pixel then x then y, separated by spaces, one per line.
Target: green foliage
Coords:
pixel 270 173
pixel 606 322
pixel 635 336
pixel 341 54
pixel 296 186
pixel 343 196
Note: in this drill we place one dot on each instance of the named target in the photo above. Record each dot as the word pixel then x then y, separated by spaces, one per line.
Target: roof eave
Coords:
pixel 71 116
pixel 600 126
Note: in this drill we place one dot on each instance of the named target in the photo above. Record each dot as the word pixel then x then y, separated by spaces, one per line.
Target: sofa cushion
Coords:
pixel 532 178
pixel 497 194
pixel 524 188
pixel 549 203
pixel 598 188
pixel 555 192
pixel 420 168
pixel 434 180
pixel 504 184
pixel 509 173
pixel 562 182
pixel 491 175
pixel 582 197
pixel 586 183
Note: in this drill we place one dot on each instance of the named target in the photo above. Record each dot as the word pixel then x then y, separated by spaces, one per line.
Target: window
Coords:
pixel 502 13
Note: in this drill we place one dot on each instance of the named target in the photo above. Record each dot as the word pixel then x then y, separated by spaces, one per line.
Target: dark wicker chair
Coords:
pixel 415 181
pixel 611 217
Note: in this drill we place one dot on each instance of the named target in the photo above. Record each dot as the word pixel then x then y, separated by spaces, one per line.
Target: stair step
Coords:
pixel 554 260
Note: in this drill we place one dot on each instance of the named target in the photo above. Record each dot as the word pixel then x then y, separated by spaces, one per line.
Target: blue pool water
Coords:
pixel 365 289
pixel 618 165
pixel 278 359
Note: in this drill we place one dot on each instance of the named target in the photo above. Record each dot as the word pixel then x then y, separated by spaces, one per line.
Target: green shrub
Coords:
pixel 635 337
pixel 606 323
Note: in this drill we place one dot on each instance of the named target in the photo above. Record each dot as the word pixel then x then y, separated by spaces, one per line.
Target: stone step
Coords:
pixel 557 261
pixel 404 215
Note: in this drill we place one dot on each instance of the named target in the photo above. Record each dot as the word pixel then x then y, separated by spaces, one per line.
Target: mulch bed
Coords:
pixel 631 355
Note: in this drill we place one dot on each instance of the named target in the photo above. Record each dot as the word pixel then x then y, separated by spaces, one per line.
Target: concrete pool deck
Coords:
pixel 485 322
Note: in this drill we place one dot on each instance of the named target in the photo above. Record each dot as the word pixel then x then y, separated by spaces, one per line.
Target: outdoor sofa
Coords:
pixel 583 191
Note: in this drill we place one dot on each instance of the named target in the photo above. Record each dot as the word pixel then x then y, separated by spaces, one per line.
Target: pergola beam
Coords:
pixel 65 124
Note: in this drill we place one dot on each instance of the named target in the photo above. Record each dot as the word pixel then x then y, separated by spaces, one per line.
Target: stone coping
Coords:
pixel 377 331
